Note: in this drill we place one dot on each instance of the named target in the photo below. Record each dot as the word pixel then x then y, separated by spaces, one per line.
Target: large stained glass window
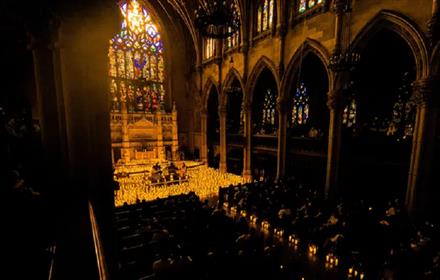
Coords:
pixel 305 5
pixel 209 48
pixel 300 106
pixel 136 62
pixel 265 15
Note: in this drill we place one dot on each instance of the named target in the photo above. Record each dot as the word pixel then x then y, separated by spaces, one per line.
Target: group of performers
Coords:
pixel 168 173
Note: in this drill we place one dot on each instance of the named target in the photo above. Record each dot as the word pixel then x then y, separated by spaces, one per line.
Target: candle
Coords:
pixel 243 213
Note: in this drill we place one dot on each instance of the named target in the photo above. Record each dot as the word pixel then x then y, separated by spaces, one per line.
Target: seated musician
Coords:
pixel 172 170
pixel 182 171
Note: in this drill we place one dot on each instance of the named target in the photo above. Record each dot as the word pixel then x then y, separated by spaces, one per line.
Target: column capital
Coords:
pixel 423 90
pixel 334 99
pixel 282 104
pixel 204 112
pixel 340 6
pixel 222 110
pixel 247 106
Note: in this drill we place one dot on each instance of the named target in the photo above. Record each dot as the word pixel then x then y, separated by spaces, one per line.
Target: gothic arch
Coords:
pixel 232 75
pixel 405 28
pixel 262 63
pixel 207 91
pixel 309 46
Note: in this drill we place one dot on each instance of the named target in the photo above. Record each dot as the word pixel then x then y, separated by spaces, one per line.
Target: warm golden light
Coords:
pixel 253 219
pixel 136 17
pixel 243 213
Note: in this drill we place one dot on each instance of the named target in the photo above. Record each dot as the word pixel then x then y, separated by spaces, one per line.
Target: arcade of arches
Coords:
pixel 276 101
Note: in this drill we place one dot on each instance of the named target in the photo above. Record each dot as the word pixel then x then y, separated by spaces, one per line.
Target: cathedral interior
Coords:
pixel 208 139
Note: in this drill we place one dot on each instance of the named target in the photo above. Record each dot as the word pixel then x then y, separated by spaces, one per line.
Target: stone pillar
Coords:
pixel 204 136
pixel 160 146
pixel 340 79
pixel 434 23
pixel 175 141
pixel 422 146
pixel 223 113
pixel 125 151
pixel 282 130
pixel 334 141
pixel 247 166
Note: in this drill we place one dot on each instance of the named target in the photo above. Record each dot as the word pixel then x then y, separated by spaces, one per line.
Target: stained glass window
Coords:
pixel 233 40
pixel 300 106
pixel 349 113
pixel 265 15
pixel 209 48
pixel 305 5
pixel 402 120
pixel 268 118
pixel 136 61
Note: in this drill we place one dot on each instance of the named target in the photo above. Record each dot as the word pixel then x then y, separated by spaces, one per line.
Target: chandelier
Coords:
pixel 217 19
pixel 347 61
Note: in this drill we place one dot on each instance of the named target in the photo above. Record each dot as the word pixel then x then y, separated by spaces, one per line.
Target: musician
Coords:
pixel 182 171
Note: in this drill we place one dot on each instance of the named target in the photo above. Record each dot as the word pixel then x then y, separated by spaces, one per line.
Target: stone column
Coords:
pixel 340 79
pixel 334 141
pixel 160 146
pixel 204 136
pixel 247 166
pixel 282 129
pixel 434 23
pixel 125 151
pixel 175 139
pixel 423 145
pixel 223 113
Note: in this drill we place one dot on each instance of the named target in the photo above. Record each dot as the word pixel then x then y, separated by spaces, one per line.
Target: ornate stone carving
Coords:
pixel 281 104
pixel 423 92
pixel 334 99
pixel 340 6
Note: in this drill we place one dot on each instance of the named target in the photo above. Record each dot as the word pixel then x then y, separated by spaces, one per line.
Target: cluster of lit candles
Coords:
pixel 312 249
pixel 354 273
pixel 331 261
pixel 294 240
pixel 265 225
pixel 279 232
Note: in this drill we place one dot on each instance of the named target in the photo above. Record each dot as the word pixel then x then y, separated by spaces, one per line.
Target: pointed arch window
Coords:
pixel 209 48
pixel 306 5
pixel 136 63
pixel 265 11
pixel 300 106
pixel 233 40
pixel 349 114
pixel 401 125
pixel 269 108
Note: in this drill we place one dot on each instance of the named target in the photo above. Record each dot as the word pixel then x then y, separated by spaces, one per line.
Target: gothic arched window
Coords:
pixel 269 107
pixel 136 61
pixel 233 40
pixel 265 15
pixel 349 115
pixel 402 121
pixel 209 48
pixel 300 106
pixel 305 5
